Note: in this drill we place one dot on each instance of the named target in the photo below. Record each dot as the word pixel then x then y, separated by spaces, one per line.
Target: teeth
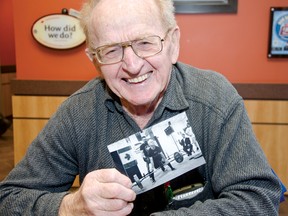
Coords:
pixel 138 79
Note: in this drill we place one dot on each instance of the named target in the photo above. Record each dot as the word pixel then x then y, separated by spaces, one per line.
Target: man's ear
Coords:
pixel 92 59
pixel 175 44
pixel 89 55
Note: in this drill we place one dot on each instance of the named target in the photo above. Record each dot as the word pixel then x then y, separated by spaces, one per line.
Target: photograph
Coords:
pixel 158 154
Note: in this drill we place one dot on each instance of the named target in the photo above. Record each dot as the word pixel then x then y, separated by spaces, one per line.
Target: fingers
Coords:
pixel 112 175
pixel 109 205
pixel 107 192
pixel 103 192
pixel 116 191
pixel 122 212
pixel 109 184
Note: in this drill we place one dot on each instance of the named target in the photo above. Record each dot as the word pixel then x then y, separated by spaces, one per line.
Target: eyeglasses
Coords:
pixel 143 48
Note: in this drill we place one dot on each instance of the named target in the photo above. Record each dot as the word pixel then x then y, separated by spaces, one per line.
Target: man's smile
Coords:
pixel 139 79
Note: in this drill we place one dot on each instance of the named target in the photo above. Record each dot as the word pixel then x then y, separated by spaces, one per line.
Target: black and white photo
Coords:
pixel 158 154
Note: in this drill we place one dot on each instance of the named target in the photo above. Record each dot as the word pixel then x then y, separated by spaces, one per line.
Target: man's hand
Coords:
pixel 103 192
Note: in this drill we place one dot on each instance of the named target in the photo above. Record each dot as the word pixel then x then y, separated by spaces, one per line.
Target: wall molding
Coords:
pixel 66 88
pixel 8 69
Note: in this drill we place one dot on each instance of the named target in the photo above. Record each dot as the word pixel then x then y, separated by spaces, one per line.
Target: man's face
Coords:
pixel 135 80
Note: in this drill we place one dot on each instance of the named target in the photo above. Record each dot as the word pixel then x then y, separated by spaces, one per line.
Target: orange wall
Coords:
pixel 35 61
pixel 235 45
pixel 232 44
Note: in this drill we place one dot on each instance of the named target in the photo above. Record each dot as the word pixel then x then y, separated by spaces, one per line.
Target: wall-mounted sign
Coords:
pixel 278 33
pixel 58 31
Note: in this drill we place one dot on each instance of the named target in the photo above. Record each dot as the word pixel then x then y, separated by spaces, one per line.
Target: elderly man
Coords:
pixel 135 45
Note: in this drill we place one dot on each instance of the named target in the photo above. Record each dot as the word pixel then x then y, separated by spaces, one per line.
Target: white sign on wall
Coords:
pixel 58 31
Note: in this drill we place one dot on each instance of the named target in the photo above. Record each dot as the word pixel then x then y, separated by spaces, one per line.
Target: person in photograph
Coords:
pixel 189 133
pixel 135 45
pixel 157 156
pixel 144 148
pixel 185 142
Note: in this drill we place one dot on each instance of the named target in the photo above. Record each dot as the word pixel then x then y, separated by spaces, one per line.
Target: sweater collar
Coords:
pixel 174 98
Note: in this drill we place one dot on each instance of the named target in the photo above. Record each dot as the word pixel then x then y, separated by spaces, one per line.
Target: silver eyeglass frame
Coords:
pixel 126 44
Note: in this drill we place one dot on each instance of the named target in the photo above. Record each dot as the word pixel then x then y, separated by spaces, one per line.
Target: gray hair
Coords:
pixel 166 9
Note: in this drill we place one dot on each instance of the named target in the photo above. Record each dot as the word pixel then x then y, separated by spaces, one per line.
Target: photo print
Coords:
pixel 158 154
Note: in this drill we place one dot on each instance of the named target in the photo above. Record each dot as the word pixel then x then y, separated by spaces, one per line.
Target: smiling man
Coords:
pixel 135 53
pixel 135 45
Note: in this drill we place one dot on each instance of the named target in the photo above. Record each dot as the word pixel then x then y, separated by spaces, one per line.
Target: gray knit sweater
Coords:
pixel 238 180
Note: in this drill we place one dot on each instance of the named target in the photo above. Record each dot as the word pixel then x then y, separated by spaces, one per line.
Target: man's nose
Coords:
pixel 131 62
